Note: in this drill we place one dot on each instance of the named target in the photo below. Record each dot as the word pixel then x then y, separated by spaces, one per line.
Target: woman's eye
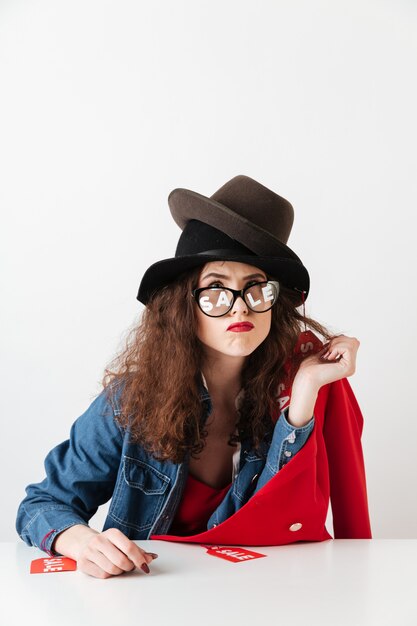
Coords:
pixel 252 282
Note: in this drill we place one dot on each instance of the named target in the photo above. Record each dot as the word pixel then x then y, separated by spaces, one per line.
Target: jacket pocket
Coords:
pixel 139 495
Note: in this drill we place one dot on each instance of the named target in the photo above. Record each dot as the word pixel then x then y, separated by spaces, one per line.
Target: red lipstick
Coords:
pixel 241 327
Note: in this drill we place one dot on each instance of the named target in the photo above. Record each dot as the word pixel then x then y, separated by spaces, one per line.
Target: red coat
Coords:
pixel 292 506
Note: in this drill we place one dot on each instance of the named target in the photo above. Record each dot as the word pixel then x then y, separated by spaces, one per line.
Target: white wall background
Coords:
pixel 105 106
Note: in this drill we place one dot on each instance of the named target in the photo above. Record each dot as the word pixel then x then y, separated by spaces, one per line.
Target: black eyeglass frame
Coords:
pixel 236 293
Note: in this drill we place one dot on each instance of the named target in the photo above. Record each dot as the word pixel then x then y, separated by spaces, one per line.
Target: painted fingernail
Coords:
pixel 153 555
pixel 145 568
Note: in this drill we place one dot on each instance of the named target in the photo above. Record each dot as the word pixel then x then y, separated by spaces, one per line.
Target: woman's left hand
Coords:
pixel 336 360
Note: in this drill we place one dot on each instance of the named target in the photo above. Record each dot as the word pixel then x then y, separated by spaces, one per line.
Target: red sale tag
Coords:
pixel 53 564
pixel 234 554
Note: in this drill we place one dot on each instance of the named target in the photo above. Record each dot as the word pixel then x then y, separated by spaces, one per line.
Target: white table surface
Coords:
pixel 350 582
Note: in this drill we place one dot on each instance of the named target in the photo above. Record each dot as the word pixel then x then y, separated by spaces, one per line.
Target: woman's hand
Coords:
pixel 111 553
pixel 336 360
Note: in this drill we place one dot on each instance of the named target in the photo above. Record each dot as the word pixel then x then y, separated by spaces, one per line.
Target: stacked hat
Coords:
pixel 242 221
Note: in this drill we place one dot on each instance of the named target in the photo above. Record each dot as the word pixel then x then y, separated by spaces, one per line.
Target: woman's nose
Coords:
pixel 239 305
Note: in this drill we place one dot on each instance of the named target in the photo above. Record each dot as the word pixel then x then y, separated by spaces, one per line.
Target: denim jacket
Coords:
pixel 99 462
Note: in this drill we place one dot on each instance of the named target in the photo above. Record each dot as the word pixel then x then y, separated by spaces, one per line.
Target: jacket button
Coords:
pixel 296 526
pixel 287 453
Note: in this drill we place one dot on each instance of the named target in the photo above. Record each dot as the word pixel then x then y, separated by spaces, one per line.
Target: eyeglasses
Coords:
pixel 217 301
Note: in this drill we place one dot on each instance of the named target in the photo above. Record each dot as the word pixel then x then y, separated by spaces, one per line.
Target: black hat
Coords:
pixel 242 221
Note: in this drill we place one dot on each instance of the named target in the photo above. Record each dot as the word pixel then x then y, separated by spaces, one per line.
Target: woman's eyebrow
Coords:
pixel 216 275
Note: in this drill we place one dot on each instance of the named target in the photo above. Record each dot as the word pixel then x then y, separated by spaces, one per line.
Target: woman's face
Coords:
pixel 213 331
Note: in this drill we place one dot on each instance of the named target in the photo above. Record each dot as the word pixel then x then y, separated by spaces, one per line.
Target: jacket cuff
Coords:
pixel 46 524
pixel 291 428
pixel 293 439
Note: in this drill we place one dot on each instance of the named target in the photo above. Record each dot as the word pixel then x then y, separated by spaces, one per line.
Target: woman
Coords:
pixel 188 428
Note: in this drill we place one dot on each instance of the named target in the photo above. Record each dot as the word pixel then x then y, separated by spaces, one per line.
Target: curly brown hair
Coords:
pixel 160 364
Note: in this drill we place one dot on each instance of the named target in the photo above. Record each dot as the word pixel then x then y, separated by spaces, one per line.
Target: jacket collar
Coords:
pixel 205 398
pixel 204 394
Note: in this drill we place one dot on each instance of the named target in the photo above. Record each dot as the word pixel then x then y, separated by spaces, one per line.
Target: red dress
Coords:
pixel 198 503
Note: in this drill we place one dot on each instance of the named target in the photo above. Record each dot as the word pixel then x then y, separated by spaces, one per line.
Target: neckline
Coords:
pixel 208 486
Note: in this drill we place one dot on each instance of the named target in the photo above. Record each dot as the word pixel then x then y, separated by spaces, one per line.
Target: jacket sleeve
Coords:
pixel 292 439
pixel 342 432
pixel 287 441
pixel 80 475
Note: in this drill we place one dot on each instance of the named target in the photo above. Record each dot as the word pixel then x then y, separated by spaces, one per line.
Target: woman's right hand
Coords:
pixel 104 554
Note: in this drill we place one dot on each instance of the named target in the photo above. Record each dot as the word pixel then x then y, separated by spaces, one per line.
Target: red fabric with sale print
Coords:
pixel 292 506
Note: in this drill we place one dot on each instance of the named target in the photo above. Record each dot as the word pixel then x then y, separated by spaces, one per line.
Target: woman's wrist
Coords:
pixel 303 400
pixel 69 541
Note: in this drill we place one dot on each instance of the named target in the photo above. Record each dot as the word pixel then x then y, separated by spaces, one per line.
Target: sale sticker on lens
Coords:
pixel 52 565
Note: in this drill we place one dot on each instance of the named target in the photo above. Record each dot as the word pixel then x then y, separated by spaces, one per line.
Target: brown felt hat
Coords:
pixel 242 221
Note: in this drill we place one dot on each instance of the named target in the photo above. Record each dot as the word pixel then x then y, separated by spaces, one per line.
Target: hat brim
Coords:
pixel 292 274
